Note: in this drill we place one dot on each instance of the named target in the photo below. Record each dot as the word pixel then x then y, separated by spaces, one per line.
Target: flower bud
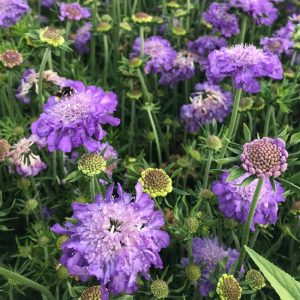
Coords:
pixel 160 289
pixel 193 273
pixel 213 142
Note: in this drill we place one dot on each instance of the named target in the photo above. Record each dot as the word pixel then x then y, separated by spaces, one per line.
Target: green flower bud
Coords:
pixel 159 289
pixel 24 184
pixel 62 273
pixel 191 224
pixel 179 31
pixel 43 241
pixel 192 273
pixel 213 142
pixel 246 103
pixel 91 164
pixel 206 194
pixel 61 240
pixel 103 27
pixel 31 204
pixel 255 280
pixel 134 94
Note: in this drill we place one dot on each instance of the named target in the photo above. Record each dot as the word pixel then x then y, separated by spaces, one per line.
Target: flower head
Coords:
pixel 91 164
pixel 82 37
pixel 265 157
pixel 193 272
pixel 228 288
pixel 116 239
pixel 235 200
pixel 4 150
pixel 159 289
pixel 221 20
pixel 255 280
pixel 92 293
pixel 160 53
pixel 76 120
pixel 48 3
pixel 208 103
pixel 156 182
pixel 11 11
pixel 52 36
pixel 141 18
pixel 245 64
pixel 73 12
pixel 263 12
pixel 11 58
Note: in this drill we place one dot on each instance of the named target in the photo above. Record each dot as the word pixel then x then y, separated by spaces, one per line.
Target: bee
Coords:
pixel 66 91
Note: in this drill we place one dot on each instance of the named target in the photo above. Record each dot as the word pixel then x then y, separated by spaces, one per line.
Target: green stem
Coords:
pixel 27 282
pixel 93 187
pixel 207 168
pixel 273 120
pixel 246 227
pixel 54 165
pixel 144 86
pixel 188 16
pixel 142 40
pixel 63 53
pixel 267 120
pixel 93 40
pixel 106 58
pixel 243 31
pixel 41 71
pixel 132 126
pixel 190 249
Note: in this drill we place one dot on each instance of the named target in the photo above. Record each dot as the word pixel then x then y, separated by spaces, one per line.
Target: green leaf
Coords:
pixel 247 133
pixel 295 139
pixel 273 183
pixel 74 176
pixel 228 160
pixel 284 284
pixel 180 192
pixel 290 183
pixel 235 174
pixel 248 180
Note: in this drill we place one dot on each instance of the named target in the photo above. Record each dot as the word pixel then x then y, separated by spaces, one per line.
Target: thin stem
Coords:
pixel 106 58
pixel 244 28
pixel 267 121
pixel 246 227
pixel 144 86
pixel 190 249
pixel 63 53
pixel 142 41
pixel 273 120
pixel 93 40
pixel 93 187
pixel 132 127
pixel 41 71
pixel 27 282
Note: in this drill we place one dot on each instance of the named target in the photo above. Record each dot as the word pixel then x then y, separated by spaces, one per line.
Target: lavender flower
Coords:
pixel 48 3
pixel 209 103
pixel 217 15
pixel 23 160
pixel 115 239
pixel 75 120
pixel 82 37
pixel 160 52
pixel 73 12
pixel 263 11
pixel 265 157
pixel 235 200
pixel 11 11
pixel 244 64
pixel 109 154
pixel 183 68
pixel 202 46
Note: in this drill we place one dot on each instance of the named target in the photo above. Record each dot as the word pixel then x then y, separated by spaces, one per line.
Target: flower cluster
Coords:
pixel 235 200
pixel 114 239
pixel 73 12
pixel 82 37
pixel 11 11
pixel 208 103
pixel 76 120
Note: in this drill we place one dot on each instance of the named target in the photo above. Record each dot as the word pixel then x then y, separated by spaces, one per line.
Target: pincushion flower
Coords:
pixel 4 150
pixel 11 11
pixel 52 36
pixel 73 12
pixel 91 164
pixel 235 200
pixel 263 12
pixel 218 16
pixel 202 46
pixel 11 58
pixel 245 64
pixel 115 239
pixel 82 37
pixel 76 120
pixel 110 155
pixel 48 3
pixel 265 157
pixel 160 52
pixel 209 102
pixel 23 160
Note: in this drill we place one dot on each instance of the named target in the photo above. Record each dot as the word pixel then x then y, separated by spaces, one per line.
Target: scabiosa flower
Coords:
pixel 4 150
pixel 82 37
pixel 48 3
pixel 91 164
pixel 207 253
pixel 235 200
pixel 228 288
pixel 11 58
pixel 116 239
pixel 183 68
pixel 73 12
pixel 110 155
pixel 23 160
pixel 244 64
pixel 92 293
pixel 141 18
pixel 156 182
pixel 265 157
pixel 160 52
pixel 52 36
pixel 263 12
pixel 76 120
pixel 208 103
pixel 202 46
pixel 217 15
pixel 11 11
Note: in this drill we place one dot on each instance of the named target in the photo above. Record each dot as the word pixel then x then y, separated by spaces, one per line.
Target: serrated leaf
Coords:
pixel 295 139
pixel 284 284
pixel 273 183
pixel 235 174
pixel 247 133
pixel 248 180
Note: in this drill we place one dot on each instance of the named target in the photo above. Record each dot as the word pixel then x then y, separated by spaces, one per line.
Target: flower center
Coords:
pixel 114 225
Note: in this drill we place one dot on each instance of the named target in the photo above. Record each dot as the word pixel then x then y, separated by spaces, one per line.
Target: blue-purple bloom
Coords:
pixel 262 11
pixel 11 11
pixel 202 46
pixel 82 37
pixel 221 20
pixel 244 64
pixel 73 12
pixel 208 103
pixel 160 52
pixel 235 200
pixel 115 239
pixel 48 3
pixel 76 120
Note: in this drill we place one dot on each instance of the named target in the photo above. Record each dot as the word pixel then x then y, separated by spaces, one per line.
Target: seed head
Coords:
pixel 91 164
pixel 160 289
pixel 11 58
pixel 92 293
pixel 52 36
pixel 255 280
pixel 228 288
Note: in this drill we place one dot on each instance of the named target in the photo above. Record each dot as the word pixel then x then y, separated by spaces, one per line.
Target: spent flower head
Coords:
pixel 141 18
pixel 255 280
pixel 11 58
pixel 92 293
pixel 228 288
pixel 52 36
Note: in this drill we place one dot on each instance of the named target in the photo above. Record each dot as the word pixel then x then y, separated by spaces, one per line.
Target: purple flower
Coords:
pixel 235 200
pixel 160 52
pixel 82 37
pixel 203 46
pixel 73 12
pixel 209 103
pixel 265 157
pixel 217 15
pixel 48 3
pixel 183 68
pixel 244 64
pixel 76 120
pixel 263 11
pixel 116 240
pixel 11 11
pixel 109 154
